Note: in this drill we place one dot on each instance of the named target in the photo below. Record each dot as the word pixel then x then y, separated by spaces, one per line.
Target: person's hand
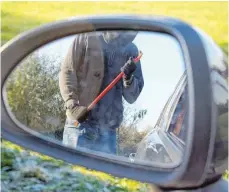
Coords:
pixel 128 69
pixel 77 112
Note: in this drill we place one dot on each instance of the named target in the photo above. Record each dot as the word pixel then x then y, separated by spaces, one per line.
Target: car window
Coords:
pixel 168 111
pixel 176 127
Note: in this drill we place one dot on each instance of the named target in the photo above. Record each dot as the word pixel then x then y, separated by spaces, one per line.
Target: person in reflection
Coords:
pixel 92 62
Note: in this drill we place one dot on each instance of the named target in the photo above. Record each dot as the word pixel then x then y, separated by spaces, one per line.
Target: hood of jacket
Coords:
pixel 124 38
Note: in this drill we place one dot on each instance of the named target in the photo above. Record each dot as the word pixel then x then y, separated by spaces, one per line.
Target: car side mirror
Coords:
pixel 175 90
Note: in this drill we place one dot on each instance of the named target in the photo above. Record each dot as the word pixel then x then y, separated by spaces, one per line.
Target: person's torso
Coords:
pixel 109 110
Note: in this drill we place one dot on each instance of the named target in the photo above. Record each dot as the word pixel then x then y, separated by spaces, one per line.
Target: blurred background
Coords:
pixel 23 170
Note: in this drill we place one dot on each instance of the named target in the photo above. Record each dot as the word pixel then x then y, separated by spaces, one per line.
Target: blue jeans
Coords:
pixel 97 139
pixel 102 139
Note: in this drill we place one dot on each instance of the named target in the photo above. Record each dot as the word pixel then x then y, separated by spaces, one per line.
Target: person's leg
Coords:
pixel 70 134
pixel 107 141
pixel 88 138
pixel 112 142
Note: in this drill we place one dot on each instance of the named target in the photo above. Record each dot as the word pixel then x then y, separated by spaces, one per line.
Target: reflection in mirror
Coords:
pixel 57 91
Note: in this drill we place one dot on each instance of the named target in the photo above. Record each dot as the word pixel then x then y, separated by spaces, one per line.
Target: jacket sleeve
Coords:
pixel 132 92
pixel 68 81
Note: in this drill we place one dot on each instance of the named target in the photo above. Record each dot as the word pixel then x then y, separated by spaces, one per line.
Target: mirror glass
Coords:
pixel 57 92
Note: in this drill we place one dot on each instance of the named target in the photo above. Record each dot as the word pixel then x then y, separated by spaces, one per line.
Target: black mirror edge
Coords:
pixel 193 169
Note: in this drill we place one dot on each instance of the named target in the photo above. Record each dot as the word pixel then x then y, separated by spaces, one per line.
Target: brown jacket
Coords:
pixel 82 71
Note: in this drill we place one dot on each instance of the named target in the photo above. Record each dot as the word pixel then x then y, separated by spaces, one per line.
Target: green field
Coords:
pixel 17 17
pixel 209 16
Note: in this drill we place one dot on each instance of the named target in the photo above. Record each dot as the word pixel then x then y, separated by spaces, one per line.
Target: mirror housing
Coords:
pixel 201 122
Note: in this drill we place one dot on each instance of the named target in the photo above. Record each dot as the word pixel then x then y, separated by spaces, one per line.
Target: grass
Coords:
pixel 209 16
pixel 21 16
pixel 12 154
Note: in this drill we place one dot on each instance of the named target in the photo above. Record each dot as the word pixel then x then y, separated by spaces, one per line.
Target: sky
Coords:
pixel 162 66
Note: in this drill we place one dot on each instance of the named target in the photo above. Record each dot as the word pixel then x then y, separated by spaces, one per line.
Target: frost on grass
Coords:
pixel 22 171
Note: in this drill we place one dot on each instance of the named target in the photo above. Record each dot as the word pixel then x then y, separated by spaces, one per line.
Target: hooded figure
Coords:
pixel 92 62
